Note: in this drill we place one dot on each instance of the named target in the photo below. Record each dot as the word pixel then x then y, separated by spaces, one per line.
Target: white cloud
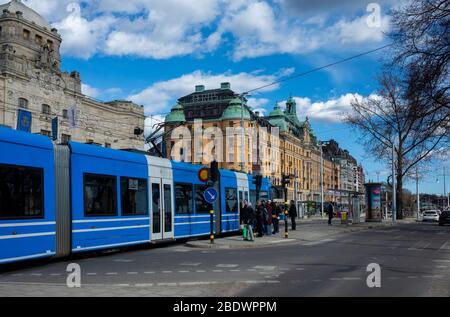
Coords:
pixel 160 96
pixel 90 91
pixel 332 111
pixel 82 38
pixel 162 29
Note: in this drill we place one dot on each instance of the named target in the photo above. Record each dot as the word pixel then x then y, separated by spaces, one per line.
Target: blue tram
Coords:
pixel 56 200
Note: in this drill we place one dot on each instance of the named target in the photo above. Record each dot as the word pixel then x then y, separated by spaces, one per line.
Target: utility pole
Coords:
pixel 394 189
pixel 445 190
pixel 321 181
pixel 242 135
pixel 417 192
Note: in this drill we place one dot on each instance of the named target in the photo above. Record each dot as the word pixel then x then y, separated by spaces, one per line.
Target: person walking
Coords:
pixel 330 212
pixel 293 215
pixel 248 212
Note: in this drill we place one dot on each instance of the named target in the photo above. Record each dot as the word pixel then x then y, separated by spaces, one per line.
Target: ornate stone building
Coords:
pixel 285 147
pixel 31 81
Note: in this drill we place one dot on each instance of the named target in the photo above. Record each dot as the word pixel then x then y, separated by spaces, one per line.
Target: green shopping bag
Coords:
pixel 245 232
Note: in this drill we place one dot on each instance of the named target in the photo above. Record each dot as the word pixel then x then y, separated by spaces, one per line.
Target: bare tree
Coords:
pixel 411 110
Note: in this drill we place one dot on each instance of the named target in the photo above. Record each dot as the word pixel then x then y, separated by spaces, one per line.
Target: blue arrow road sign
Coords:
pixel 210 195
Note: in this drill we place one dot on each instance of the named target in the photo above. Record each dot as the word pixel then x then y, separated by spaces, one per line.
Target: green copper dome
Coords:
pixel 276 112
pixel 236 110
pixel 176 115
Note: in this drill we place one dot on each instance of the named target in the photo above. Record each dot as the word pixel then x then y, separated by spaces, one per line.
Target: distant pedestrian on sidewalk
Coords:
pixel 293 215
pixel 276 211
pixel 330 212
pixel 247 216
pixel 269 228
pixel 259 213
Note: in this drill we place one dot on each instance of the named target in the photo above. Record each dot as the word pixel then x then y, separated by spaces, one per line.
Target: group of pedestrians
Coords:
pixel 264 219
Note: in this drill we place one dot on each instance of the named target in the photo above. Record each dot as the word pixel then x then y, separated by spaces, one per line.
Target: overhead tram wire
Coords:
pixel 317 69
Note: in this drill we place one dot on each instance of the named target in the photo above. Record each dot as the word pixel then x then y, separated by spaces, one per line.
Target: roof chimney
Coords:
pixel 199 88
pixel 225 86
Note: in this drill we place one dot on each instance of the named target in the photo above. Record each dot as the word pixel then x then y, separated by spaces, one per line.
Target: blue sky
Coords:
pixel 155 51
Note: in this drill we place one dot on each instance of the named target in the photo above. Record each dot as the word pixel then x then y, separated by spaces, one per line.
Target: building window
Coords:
pixel 201 206
pixel 65 138
pixel 46 133
pixel 21 192
pixel 184 200
pixel 38 39
pixel 65 114
pixel 46 109
pixel 108 145
pixel 231 201
pixel 26 34
pixel 100 195
pixel 50 44
pixel 134 196
pixel 23 103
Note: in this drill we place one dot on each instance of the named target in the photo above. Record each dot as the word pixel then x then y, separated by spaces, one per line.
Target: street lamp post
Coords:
pixel 321 181
pixel 417 192
pixel 394 189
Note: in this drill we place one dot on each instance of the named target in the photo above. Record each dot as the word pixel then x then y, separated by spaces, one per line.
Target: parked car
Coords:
pixel 444 218
pixel 430 215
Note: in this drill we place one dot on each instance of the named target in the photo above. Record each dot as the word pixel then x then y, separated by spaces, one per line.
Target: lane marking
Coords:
pixel 217 271
pixel 264 267
pixel 167 272
pixel 149 272
pixel 190 264
pixel 200 271
pixel 183 271
pixel 227 265
pixel 91 274
pixel 55 274
pixel 144 285
pixel 111 273
pixel 441 261
pixel 352 278
pixel 132 273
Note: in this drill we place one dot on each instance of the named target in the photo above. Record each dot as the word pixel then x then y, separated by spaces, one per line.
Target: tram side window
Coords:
pixel 231 201
pixel 100 195
pixel 264 196
pixel 253 197
pixel 201 206
pixel 184 200
pixel 134 196
pixel 21 192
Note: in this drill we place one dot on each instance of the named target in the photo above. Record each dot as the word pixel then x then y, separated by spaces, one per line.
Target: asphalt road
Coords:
pixel 414 260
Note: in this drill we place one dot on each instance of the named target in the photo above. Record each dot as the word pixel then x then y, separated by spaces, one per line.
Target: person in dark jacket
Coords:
pixel 293 215
pixel 259 214
pixel 330 213
pixel 276 211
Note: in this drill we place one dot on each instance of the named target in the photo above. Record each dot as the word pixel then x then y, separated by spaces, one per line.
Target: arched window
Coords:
pixel 46 109
pixel 23 103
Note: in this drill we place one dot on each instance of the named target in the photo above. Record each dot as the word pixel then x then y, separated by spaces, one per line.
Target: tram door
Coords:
pixel 243 189
pixel 161 209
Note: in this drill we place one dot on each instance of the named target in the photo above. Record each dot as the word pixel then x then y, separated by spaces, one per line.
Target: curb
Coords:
pixel 250 245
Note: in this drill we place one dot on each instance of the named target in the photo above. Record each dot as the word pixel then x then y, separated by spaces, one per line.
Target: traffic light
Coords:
pixel 286 180
pixel 257 181
pixel 214 172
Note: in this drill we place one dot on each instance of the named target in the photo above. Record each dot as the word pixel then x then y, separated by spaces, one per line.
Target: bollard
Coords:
pixel 286 225
pixel 211 237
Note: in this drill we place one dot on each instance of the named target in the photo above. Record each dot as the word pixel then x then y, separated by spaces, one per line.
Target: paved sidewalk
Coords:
pixel 308 231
